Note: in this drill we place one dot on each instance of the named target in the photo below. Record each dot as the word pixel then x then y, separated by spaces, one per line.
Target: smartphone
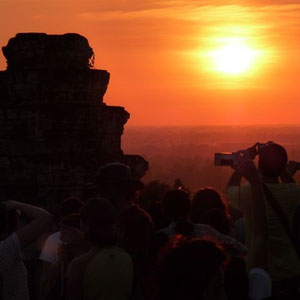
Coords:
pixel 224 159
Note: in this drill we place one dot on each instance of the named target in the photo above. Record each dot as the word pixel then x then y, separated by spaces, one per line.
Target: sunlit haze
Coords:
pixel 234 58
pixel 182 62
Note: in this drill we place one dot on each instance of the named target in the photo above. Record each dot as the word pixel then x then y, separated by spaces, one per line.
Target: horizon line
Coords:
pixel 216 125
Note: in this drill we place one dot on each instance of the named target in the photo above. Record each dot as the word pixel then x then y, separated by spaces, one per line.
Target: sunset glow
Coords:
pixel 234 58
pixel 176 62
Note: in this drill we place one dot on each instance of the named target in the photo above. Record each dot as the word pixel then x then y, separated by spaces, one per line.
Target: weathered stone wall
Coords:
pixel 55 129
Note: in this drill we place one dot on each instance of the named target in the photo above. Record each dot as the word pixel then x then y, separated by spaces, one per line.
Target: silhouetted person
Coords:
pixel 150 199
pixel 208 208
pixel 115 183
pixel 176 205
pixel 158 217
pixel 192 268
pixel 284 265
pixel 13 275
pixel 216 219
pixel 105 271
pixel 69 248
pixel 69 206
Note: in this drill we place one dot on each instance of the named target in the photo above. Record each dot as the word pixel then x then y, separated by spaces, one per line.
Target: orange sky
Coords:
pixel 157 54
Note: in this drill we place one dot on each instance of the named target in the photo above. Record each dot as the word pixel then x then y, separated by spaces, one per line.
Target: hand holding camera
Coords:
pixel 244 166
pixel 230 158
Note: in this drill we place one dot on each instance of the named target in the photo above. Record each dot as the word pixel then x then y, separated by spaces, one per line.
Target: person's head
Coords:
pixel 176 205
pixel 191 268
pixel 70 205
pixel 98 219
pixel 204 200
pixel 272 160
pixel 115 182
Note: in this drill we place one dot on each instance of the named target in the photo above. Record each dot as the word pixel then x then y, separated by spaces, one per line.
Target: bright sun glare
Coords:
pixel 234 57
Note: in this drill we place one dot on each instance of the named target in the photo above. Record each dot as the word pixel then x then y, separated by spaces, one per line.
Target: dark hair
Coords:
pixel 272 160
pixel 217 219
pixel 186 267
pixel 98 215
pixel 70 205
pixel 184 227
pixel 176 204
pixel 204 200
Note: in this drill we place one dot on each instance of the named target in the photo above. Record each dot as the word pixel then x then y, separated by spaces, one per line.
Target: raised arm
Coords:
pixel 40 219
pixel 258 247
pixel 236 178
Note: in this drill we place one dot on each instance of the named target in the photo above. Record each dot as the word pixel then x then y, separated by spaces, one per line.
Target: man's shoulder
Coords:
pixel 54 237
pixel 290 190
pixel 48 253
pixel 284 186
pixel 79 263
pixel 286 191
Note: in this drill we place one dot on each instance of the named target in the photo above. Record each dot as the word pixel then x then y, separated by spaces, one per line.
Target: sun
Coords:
pixel 234 58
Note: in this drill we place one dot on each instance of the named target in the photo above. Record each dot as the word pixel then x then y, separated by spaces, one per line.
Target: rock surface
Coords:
pixel 55 128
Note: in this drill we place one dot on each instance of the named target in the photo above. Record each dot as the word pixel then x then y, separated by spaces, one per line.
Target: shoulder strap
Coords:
pixel 280 214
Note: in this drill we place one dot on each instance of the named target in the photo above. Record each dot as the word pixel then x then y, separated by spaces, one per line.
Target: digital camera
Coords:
pixel 225 159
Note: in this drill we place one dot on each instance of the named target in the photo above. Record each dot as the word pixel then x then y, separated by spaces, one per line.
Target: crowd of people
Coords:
pixel 244 245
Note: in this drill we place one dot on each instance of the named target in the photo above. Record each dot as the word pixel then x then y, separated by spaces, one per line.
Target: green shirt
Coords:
pixel 283 260
pixel 105 274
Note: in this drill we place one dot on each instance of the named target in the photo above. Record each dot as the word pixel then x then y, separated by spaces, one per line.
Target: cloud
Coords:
pixel 190 10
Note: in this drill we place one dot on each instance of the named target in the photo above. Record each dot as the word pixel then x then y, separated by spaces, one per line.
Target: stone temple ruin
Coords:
pixel 55 128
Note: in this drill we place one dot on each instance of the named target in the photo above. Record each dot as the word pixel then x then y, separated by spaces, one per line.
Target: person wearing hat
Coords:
pixel 115 183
